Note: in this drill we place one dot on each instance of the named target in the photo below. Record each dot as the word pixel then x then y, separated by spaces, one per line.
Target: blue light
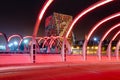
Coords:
pixel 15 43
pixel 2 47
pixel 25 41
pixel 10 45
pixel 95 39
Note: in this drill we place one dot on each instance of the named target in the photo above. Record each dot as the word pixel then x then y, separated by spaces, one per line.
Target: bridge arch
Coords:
pixel 109 45
pixel 4 35
pixel 24 38
pixel 41 14
pixel 54 39
pixel 117 50
pixel 97 25
pixel 15 35
pixel 84 12
pixel 104 36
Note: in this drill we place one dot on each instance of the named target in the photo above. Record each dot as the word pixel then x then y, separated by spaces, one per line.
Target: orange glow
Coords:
pixel 84 12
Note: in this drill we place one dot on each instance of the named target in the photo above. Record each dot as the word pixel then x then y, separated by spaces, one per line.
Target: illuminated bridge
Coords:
pixel 34 49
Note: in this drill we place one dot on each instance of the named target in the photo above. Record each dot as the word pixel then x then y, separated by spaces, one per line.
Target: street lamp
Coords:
pixel 25 41
pixel 95 40
pixel 15 43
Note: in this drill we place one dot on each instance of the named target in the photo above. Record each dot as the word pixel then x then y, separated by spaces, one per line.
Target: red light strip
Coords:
pixel 101 22
pixel 113 27
pixel 14 36
pixel 84 12
pixel 42 12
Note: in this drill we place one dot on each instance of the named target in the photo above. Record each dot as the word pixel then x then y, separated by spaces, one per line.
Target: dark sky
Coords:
pixel 19 16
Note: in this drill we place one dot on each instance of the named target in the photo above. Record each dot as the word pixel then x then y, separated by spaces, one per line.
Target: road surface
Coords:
pixel 64 71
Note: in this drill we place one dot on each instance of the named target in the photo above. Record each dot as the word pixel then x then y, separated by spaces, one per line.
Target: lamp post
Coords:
pixel 95 40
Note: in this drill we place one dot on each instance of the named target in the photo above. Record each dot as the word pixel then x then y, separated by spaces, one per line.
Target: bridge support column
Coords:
pixel 64 50
pixel 117 50
pixel 84 50
pixel 99 50
pixel 109 51
pixel 33 50
pixel 7 48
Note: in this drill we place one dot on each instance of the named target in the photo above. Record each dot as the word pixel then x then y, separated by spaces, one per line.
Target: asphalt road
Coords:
pixel 83 71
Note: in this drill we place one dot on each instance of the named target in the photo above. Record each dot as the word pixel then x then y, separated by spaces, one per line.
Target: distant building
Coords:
pixel 57 24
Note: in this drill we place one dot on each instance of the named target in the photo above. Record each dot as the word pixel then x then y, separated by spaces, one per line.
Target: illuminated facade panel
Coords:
pixel 57 24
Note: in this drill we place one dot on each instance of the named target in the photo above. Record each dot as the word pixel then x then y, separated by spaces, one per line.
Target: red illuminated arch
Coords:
pixel 40 39
pixel 101 22
pixel 54 39
pixel 117 50
pixel 16 35
pixel 104 36
pixel 94 28
pixel 45 41
pixel 84 12
pixel 42 11
pixel 28 37
pixel 109 45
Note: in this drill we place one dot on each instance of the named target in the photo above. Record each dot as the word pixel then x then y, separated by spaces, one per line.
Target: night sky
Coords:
pixel 19 16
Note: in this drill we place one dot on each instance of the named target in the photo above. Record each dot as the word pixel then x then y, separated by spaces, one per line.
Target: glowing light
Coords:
pixel 88 47
pixel 10 45
pixel 101 22
pixel 26 41
pixel 72 47
pixel 2 47
pixel 92 7
pixel 113 48
pixel 78 47
pixel 95 39
pixel 44 8
pixel 113 27
pixel 15 43
pixel 96 47
pixel 92 47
